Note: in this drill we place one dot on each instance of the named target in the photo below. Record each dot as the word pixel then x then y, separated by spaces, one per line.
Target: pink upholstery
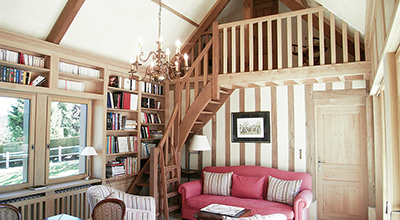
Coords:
pixel 193 199
pixel 241 185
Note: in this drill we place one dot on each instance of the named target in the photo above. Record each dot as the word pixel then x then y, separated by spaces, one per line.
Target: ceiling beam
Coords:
pixel 173 11
pixel 64 20
pixel 205 24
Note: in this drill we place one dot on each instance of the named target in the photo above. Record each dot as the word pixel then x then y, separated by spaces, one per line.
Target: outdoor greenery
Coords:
pixel 65 124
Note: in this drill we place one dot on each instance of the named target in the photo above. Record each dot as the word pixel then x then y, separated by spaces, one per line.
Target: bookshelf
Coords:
pixel 122 121
pixel 93 72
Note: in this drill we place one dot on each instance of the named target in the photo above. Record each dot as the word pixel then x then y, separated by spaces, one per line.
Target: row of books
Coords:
pixel 150 103
pixel 122 100
pixel 78 70
pixel 117 121
pixel 152 88
pixel 121 144
pixel 114 169
pixel 122 83
pixel 150 118
pixel 71 85
pixel 21 58
pixel 15 75
pixel 130 164
pixel 145 149
pixel 145 132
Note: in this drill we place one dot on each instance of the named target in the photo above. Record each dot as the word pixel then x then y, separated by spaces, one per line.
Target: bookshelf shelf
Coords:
pixel 122 153
pixel 145 94
pixel 114 89
pixel 121 110
pixel 64 75
pixel 152 110
pixel 24 67
pixel 118 132
pixel 153 124
pixel 122 177
pixel 150 139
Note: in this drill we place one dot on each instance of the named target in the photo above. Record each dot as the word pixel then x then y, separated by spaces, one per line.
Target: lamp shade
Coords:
pixel 199 143
pixel 88 151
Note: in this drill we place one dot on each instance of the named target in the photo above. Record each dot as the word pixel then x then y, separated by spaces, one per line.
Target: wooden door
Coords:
pixel 341 162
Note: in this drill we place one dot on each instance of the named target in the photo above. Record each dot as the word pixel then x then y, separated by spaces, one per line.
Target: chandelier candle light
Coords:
pixel 161 67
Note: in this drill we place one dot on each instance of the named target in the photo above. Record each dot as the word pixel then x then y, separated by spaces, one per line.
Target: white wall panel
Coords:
pixel 235 148
pixel 283 127
pixel 221 136
pixel 250 106
pixel 300 128
pixel 207 154
pixel 266 148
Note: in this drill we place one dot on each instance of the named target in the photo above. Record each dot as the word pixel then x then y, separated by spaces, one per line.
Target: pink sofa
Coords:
pixel 193 199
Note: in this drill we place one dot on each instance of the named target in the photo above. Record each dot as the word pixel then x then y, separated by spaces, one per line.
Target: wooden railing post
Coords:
pixel 215 62
pixel 154 173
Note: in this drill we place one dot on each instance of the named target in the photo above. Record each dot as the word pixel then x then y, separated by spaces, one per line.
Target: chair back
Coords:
pixel 109 209
pixel 9 212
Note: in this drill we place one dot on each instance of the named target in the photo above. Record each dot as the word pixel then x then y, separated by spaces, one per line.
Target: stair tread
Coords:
pixel 170 168
pixel 172 180
pixel 207 112
pixel 224 92
pixel 198 122
pixel 146 172
pixel 173 208
pixel 214 102
pixel 172 194
pixel 143 184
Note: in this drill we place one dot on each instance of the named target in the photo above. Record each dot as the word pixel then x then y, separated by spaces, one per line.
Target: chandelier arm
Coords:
pixel 148 57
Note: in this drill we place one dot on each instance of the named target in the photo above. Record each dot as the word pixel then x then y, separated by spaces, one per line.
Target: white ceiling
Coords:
pixel 112 28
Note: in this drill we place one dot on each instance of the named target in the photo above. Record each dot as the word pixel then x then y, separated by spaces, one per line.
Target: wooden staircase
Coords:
pixel 221 66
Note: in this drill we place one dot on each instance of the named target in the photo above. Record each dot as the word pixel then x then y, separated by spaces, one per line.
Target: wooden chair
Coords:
pixel 109 209
pixel 9 212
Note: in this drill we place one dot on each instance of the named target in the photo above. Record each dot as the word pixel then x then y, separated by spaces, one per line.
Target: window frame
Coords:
pixel 31 142
pixel 88 137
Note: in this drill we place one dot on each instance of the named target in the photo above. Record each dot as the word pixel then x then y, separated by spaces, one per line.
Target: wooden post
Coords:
pixel 214 78
pixel 154 174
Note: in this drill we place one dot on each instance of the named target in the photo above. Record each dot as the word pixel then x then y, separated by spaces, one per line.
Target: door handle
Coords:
pixel 319 163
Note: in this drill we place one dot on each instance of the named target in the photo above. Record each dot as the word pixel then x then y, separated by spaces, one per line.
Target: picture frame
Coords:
pixel 251 127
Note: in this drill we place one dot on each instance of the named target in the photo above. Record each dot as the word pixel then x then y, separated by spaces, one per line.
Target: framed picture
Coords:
pixel 251 127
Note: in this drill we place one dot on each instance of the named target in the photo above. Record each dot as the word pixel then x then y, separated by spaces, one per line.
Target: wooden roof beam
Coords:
pixel 205 24
pixel 64 20
pixel 173 11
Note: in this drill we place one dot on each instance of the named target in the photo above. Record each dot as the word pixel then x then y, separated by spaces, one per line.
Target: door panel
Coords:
pixel 341 150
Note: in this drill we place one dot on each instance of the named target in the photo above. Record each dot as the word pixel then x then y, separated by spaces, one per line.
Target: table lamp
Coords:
pixel 199 143
pixel 89 151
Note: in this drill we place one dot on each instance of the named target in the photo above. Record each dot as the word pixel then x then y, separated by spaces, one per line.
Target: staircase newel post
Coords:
pixel 215 62
pixel 154 153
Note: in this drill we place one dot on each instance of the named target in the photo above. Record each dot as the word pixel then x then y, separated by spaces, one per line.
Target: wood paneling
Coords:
pixel 274 128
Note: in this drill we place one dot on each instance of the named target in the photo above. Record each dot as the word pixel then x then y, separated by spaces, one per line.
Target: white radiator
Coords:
pixel 38 206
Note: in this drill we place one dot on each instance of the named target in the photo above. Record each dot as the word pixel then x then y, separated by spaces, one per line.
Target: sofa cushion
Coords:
pixel 217 183
pixel 283 191
pixel 257 206
pixel 242 184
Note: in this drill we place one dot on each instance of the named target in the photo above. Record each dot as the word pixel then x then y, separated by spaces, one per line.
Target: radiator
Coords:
pixel 72 201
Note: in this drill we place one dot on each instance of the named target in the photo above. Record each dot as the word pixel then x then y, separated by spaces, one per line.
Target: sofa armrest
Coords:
pixel 301 203
pixel 190 189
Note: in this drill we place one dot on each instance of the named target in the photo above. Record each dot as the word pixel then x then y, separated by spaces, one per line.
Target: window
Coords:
pixel 14 140
pixel 68 128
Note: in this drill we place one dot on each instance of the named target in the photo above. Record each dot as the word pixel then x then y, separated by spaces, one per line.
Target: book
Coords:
pixel 123 144
pixel 134 99
pixel 127 83
pixel 232 211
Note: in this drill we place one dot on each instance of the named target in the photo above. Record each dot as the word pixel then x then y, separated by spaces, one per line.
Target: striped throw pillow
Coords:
pixel 283 191
pixel 217 183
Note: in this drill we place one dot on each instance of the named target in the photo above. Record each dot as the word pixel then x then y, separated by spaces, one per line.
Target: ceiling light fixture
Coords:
pixel 161 67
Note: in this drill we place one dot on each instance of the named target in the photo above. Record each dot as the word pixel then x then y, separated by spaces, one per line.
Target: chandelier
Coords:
pixel 161 67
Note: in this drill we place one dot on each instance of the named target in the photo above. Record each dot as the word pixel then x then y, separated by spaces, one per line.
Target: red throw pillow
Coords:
pixel 247 186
